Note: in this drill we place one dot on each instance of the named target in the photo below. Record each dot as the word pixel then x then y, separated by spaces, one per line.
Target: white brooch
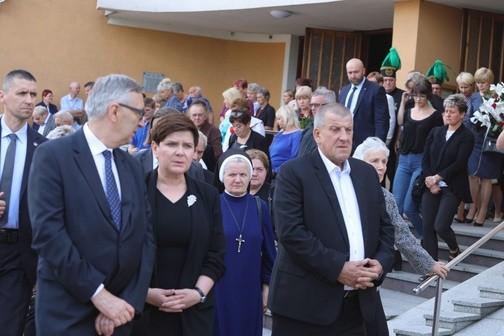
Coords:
pixel 191 199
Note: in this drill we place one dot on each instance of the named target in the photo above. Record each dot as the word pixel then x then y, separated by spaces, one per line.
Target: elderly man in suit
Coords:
pixel 367 102
pixel 43 121
pixel 90 220
pixel 334 249
pixel 18 262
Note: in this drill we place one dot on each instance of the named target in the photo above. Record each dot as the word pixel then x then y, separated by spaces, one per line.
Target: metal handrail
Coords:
pixel 437 303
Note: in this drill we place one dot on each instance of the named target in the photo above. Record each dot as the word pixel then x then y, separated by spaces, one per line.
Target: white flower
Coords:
pixel 191 199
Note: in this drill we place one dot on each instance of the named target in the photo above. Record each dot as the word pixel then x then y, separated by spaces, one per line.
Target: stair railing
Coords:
pixel 439 287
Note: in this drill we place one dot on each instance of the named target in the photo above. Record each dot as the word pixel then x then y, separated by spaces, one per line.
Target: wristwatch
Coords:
pixel 202 295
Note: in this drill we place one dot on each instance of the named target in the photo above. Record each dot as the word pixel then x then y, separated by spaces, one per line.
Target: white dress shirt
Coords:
pixel 17 175
pixel 343 186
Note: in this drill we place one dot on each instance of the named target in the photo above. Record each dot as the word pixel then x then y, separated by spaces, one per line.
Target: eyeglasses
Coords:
pixel 316 105
pixel 138 111
pixel 236 113
pixel 419 96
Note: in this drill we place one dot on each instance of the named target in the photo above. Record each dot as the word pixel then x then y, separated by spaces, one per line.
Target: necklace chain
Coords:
pixel 240 229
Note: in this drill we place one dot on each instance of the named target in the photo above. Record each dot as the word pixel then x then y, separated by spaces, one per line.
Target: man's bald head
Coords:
pixel 355 71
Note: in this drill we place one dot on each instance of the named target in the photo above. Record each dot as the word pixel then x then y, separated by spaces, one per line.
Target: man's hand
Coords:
pixel 370 272
pixel 351 272
pixel 114 308
pixel 104 325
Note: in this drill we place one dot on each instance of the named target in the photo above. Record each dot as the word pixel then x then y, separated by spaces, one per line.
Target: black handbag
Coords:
pixel 489 145
pixel 418 189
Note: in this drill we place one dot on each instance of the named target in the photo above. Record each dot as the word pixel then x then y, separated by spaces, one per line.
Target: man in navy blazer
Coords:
pixel 18 261
pixel 368 104
pixel 88 207
pixel 335 237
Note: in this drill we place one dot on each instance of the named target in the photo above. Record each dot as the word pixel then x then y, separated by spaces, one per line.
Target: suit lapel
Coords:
pixel 327 186
pixel 125 178
pixel 33 140
pixel 362 93
pixel 85 162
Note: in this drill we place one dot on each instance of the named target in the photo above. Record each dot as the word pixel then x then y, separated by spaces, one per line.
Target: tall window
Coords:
pixel 483 43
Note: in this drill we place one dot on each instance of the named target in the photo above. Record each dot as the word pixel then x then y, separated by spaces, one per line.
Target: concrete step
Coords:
pixel 481 256
pixel 479 306
pixel 420 331
pixel 468 235
pixel 405 282
pixel 453 321
pixel 459 273
pixel 463 309
pixel 491 292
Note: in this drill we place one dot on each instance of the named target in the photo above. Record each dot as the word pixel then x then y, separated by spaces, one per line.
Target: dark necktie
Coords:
pixel 8 170
pixel 350 99
pixel 111 190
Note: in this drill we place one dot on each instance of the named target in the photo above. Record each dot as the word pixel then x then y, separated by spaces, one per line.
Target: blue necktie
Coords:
pixel 8 171
pixel 350 99
pixel 111 190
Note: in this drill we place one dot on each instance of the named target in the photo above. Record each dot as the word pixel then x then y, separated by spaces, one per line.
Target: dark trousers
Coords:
pixel 15 291
pixel 348 323
pixel 437 213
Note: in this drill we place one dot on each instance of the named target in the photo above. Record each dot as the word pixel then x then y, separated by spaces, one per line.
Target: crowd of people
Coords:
pixel 153 216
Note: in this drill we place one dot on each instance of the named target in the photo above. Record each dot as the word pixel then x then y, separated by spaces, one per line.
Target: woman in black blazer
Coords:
pixel 187 223
pixel 444 166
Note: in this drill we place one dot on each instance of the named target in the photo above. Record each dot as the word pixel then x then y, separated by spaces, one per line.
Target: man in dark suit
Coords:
pixel 334 249
pixel 367 102
pixel 88 207
pixel 17 259
pixel 43 121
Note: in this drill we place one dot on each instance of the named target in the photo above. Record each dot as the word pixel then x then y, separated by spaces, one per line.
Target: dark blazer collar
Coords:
pixel 325 181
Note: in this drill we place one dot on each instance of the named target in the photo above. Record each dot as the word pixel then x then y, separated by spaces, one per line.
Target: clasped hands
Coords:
pixel 360 274
pixel 431 183
pixel 172 300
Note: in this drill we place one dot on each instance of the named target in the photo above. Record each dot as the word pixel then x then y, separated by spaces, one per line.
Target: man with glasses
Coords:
pixel 90 220
pixel 320 97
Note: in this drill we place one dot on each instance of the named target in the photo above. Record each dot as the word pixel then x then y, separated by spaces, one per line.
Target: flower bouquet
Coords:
pixel 490 116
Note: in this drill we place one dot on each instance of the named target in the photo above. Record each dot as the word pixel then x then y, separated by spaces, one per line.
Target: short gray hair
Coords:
pixel 64 116
pixel 253 87
pixel 39 110
pixel 335 108
pixel 165 84
pixel 204 138
pixel 21 74
pixel 109 89
pixel 371 144
pixel 60 131
pixel 329 95
pixel 456 100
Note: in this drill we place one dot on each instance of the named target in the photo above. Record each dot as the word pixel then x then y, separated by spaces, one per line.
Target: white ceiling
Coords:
pixel 345 15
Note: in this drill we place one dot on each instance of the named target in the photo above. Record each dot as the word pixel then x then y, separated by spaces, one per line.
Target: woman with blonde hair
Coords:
pixel 303 97
pixel 483 166
pixel 286 143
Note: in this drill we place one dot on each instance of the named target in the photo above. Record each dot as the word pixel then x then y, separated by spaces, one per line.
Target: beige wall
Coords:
pixel 64 40
pixel 424 32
